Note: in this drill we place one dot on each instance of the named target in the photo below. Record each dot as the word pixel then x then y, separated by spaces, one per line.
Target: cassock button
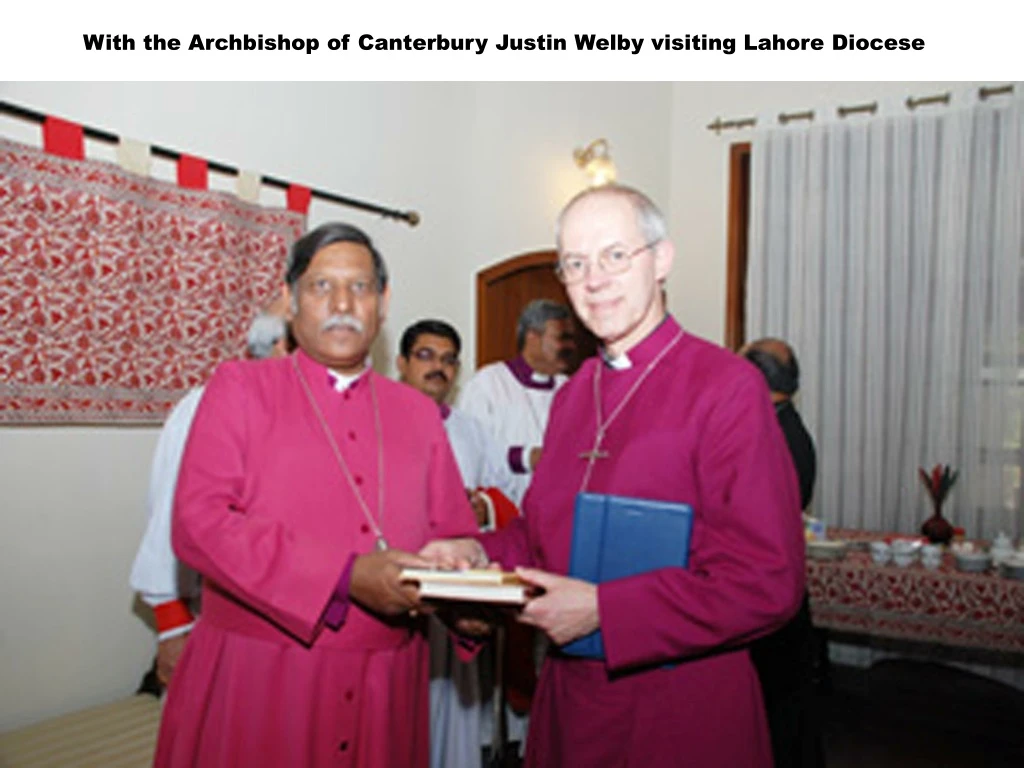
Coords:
pixel 349 695
pixel 364 528
pixel 359 479
pixel 343 746
pixel 351 435
pixel 346 395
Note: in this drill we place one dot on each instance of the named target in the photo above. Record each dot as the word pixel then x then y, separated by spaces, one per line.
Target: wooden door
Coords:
pixel 501 293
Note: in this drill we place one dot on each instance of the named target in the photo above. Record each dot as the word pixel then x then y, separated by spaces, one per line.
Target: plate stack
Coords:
pixel 826 549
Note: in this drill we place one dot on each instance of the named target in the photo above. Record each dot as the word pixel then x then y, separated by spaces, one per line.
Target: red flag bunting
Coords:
pixel 64 138
pixel 298 198
pixel 193 172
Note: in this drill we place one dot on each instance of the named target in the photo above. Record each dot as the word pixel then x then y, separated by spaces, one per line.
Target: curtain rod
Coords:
pixel 911 103
pixel 410 217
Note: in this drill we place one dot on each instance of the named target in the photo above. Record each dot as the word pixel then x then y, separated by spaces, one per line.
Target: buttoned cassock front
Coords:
pixel 677 687
pixel 265 514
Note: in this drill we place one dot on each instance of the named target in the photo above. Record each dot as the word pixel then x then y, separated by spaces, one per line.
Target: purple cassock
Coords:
pixel 281 670
pixel 677 686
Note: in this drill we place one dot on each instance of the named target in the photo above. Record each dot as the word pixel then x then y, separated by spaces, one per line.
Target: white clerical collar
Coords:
pixel 618 363
pixel 342 381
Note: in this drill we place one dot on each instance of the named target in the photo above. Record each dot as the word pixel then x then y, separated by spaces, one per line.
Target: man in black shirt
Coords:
pixel 785 660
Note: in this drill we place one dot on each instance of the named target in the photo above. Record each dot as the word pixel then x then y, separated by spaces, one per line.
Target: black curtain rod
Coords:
pixel 410 217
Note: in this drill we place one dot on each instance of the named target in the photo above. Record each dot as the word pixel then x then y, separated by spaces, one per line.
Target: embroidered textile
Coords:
pixel 118 293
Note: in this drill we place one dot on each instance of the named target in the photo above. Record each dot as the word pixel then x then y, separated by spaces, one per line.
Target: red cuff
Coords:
pixel 171 615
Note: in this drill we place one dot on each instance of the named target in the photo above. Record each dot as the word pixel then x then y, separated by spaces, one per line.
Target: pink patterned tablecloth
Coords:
pixel 942 606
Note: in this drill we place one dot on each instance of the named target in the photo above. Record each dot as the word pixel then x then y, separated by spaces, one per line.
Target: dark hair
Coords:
pixel 782 377
pixel 536 315
pixel 434 328
pixel 307 246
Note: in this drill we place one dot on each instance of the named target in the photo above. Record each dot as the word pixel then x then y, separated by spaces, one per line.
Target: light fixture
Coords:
pixel 596 162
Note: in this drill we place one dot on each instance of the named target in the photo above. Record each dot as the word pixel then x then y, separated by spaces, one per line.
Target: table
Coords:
pixel 945 606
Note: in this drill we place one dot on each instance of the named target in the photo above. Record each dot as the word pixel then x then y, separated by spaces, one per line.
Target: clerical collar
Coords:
pixel 339 382
pixel 528 377
pixel 644 351
pixel 620 363
pixel 446 411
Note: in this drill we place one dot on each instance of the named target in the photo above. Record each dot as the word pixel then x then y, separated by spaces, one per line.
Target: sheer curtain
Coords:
pixel 888 251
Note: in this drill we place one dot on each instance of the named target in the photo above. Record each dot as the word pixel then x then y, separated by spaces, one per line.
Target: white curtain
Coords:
pixel 888 251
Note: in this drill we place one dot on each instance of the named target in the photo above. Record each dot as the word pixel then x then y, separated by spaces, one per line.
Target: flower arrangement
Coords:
pixel 938 483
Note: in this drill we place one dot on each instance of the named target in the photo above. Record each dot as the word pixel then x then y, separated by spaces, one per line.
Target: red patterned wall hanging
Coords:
pixel 118 292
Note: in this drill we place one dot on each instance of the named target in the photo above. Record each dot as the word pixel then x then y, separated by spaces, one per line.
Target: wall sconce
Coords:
pixel 596 162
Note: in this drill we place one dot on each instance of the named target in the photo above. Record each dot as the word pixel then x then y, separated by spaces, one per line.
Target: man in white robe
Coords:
pixel 167 586
pixel 460 724
pixel 512 399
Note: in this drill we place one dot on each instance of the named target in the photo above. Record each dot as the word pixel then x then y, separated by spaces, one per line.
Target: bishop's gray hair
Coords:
pixel 266 330
pixel 649 218
pixel 535 316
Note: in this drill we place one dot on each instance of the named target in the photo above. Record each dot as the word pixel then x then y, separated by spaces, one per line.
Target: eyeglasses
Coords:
pixel 427 355
pixel 614 260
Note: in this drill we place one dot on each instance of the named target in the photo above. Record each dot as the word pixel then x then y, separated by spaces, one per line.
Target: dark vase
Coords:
pixel 937 528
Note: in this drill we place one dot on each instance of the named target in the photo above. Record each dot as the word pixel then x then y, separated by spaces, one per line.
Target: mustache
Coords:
pixel 351 322
pixel 437 375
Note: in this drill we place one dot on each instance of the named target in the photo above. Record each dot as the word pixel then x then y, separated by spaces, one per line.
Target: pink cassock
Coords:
pixel 265 514
pixel 677 687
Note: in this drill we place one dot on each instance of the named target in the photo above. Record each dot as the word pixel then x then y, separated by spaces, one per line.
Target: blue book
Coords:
pixel 618 536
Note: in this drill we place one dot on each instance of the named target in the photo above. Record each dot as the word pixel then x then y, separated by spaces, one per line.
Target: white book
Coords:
pixel 475 585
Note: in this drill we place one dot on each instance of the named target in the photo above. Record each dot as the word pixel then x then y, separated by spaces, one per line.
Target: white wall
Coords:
pixel 486 165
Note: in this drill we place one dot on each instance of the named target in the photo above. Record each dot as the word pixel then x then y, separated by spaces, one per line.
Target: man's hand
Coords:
pixel 469 619
pixel 455 554
pixel 567 609
pixel 534 457
pixel 375 584
pixel 479 505
pixel 167 654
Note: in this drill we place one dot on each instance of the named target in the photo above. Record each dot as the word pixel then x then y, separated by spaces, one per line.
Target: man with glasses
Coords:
pixel 512 399
pixel 428 360
pixel 661 415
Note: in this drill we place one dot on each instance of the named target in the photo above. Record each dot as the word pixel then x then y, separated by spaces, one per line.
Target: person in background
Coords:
pixel 512 399
pixel 663 415
pixel 786 659
pixel 161 581
pixel 307 483
pixel 428 360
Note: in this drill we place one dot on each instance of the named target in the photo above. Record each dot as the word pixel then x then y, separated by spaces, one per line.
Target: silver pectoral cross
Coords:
pixel 594 455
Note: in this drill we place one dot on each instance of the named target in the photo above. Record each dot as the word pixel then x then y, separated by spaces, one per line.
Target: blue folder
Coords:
pixel 618 536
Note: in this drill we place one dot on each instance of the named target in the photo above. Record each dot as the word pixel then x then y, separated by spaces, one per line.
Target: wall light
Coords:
pixel 596 162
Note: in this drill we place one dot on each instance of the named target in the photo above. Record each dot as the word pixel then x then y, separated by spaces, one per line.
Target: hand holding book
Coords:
pixel 566 610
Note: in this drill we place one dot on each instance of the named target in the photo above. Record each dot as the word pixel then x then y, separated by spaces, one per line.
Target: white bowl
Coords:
pixel 903 559
pixel 1013 567
pixel 931 556
pixel 906 546
pixel 973 562
pixel 881 552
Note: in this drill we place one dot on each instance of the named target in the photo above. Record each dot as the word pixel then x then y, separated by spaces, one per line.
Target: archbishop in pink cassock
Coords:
pixel 264 513
pixel 677 686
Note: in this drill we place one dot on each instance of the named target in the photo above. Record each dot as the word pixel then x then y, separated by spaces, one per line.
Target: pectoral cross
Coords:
pixel 592 456
pixel 595 453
